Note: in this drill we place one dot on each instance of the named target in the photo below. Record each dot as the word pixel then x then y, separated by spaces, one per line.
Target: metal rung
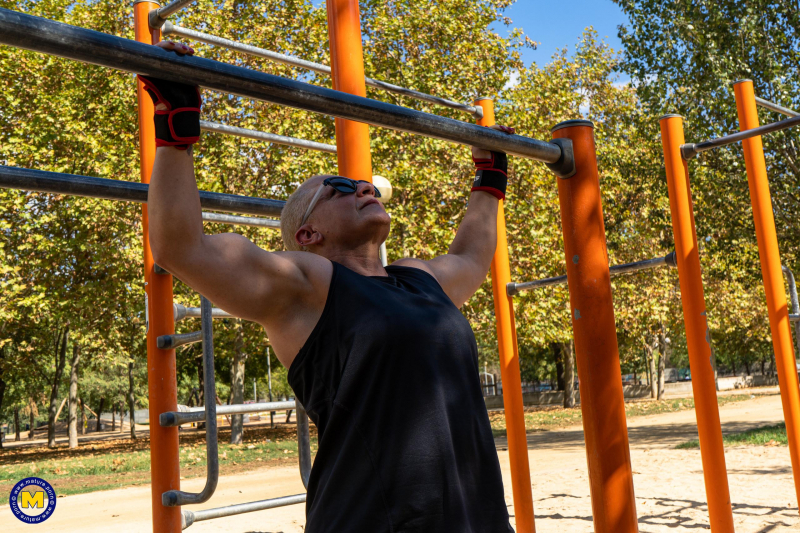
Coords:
pixel 188 415
pixel 268 137
pixel 772 106
pixel 171 29
pixel 669 260
pixel 241 221
pixel 166 342
pixel 190 517
pixel 180 312
pixel 794 318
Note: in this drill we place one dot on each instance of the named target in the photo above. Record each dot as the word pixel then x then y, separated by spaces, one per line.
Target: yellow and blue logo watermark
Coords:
pixel 32 500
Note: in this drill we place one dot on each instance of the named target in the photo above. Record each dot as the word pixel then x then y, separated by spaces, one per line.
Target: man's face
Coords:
pixel 347 220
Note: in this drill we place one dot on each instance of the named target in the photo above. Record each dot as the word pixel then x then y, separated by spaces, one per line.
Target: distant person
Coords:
pixel 382 359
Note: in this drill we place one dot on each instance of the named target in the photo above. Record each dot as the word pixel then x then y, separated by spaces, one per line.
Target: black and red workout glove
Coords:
pixel 491 175
pixel 179 124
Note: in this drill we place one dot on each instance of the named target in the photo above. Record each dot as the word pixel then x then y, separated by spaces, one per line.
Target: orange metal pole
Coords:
pixel 161 374
pixel 594 330
pixel 769 254
pixel 347 66
pixel 509 366
pixel 694 318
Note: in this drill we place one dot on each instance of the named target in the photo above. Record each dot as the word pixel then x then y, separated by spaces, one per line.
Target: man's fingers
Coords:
pixel 504 129
pixel 178 48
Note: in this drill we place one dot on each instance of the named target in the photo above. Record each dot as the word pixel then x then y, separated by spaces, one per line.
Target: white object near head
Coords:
pixel 383 185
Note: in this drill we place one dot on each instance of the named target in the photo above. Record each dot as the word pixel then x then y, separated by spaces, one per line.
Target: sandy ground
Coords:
pixel 668 482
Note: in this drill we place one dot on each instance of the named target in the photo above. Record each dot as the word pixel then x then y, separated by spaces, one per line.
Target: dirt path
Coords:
pixel 668 482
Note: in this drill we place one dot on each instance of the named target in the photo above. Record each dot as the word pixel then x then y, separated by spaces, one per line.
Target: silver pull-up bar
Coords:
pixel 171 29
pixel 689 151
pixel 62 40
pixel 772 106
pixel 190 517
pixel 236 220
pixel 512 289
pixel 126 191
pixel 264 136
pixel 190 415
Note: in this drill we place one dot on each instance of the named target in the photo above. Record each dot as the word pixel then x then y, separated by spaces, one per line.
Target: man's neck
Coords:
pixel 363 261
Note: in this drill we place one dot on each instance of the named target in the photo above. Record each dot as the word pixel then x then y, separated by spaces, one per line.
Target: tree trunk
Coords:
pixel 60 359
pixel 663 360
pixel 2 385
pixel 73 396
pixel 200 379
pixel 651 369
pixel 84 422
pixel 100 413
pixel 747 367
pixel 113 418
pixel 31 419
pixel 568 351
pixel 17 436
pixel 237 384
pixel 558 356
pixel 131 400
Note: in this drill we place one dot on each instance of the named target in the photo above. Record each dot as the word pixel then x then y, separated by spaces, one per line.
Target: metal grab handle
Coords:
pixel 303 444
pixel 175 498
pixel 167 342
pixel 793 317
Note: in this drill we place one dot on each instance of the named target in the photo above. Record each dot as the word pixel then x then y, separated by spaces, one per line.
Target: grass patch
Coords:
pixel 120 463
pixel 547 418
pixel 763 436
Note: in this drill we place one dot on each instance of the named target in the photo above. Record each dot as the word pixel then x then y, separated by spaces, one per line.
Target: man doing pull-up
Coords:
pixel 382 359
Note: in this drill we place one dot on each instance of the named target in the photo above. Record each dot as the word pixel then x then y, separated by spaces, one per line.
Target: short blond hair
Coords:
pixel 293 212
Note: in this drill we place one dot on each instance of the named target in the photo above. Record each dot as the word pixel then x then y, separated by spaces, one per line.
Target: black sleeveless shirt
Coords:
pixel 389 375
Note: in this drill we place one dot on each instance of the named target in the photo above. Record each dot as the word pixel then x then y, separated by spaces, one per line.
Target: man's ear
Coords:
pixel 307 236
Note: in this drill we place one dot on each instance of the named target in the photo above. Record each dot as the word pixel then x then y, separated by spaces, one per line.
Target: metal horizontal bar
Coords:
pixel 794 318
pixel 772 106
pixel 512 289
pixel 166 342
pixel 158 16
pixel 171 29
pixel 126 191
pixel 62 40
pixel 242 221
pixel 190 517
pixel 264 136
pixel 188 415
pixel 180 312
pixel 689 151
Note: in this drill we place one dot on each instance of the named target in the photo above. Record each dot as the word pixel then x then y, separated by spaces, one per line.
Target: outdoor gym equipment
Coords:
pixel 570 155
pixel 676 156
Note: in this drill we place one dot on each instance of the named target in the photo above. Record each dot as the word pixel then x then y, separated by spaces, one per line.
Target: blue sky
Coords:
pixel 555 25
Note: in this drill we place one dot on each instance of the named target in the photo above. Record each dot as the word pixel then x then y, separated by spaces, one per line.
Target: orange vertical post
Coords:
pixel 704 388
pixel 347 71
pixel 769 254
pixel 509 365
pixel 161 373
pixel 594 330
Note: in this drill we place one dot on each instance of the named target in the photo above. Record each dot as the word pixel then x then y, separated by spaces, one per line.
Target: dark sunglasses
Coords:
pixel 347 186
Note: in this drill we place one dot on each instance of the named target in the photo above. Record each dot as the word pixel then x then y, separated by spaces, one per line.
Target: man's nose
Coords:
pixel 364 189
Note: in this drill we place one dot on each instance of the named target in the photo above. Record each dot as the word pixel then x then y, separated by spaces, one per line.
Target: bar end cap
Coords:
pixel 571 124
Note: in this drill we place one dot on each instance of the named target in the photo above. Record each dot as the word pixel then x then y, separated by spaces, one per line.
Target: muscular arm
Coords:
pixel 234 273
pixel 461 271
